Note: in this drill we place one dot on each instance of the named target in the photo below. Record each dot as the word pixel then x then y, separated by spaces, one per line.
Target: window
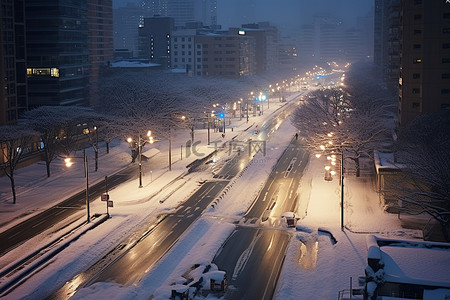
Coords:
pixel 446 30
pixel 416 91
pixel 417 2
pixel 199 53
pixel 445 91
pixel 446 46
pixel 417 60
pixel 446 76
pixel 417 31
pixel 415 105
pixel 446 60
pixel 446 16
pixel 417 46
pixel 416 75
pixel 417 17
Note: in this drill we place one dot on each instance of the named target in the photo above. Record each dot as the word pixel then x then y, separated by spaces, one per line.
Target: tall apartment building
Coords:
pixel 13 82
pixel 57 52
pixel 126 23
pixel 424 82
pixel 205 11
pixel 101 48
pixel 387 40
pixel 185 54
pixel 183 11
pixel 266 39
pixel 154 39
pixel 227 55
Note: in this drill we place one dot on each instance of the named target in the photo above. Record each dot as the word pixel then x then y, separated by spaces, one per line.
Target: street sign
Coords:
pixel 110 203
pixel 105 197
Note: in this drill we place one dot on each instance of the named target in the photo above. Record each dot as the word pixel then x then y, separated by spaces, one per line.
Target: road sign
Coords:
pixel 105 197
pixel 110 203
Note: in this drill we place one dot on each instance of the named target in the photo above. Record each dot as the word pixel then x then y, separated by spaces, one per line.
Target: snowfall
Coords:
pixel 316 266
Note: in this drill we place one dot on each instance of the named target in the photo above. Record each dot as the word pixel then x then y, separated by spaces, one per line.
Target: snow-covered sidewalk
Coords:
pixel 318 263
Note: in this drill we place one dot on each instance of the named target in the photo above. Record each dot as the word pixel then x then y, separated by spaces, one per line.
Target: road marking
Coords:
pixel 243 259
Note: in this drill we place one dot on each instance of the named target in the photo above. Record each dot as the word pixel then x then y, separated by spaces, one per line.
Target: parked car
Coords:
pixel 289 219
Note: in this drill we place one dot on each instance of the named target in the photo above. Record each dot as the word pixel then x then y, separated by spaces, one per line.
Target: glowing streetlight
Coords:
pixel 69 163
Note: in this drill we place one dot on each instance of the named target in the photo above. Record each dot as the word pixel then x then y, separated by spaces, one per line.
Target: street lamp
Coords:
pixel 140 144
pixel 69 163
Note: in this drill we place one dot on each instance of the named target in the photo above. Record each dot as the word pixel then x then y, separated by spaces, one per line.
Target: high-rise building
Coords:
pixel 205 11
pixel 100 32
pixel 183 11
pixel 13 82
pixel 126 23
pixel 154 39
pixel 57 52
pixel 266 39
pixel 386 40
pixel 424 82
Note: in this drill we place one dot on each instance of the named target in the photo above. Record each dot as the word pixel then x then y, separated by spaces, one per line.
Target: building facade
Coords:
pixel 57 52
pixel 387 40
pixel 424 77
pixel 226 55
pixel 13 82
pixel 101 47
pixel 154 39
pixel 126 23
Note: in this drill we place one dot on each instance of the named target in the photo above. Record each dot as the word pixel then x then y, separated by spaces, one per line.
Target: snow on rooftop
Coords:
pixel 417 265
pixel 385 160
pixel 132 64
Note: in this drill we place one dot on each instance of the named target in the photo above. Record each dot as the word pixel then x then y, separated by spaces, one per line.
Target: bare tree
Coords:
pixel 57 129
pixel 14 142
pixel 423 149
pixel 332 120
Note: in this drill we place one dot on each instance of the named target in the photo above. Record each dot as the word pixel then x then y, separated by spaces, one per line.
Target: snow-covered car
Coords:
pixel 289 219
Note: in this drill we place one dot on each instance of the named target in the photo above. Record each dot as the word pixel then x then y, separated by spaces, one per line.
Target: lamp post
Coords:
pixel 96 148
pixel 329 173
pixel 342 189
pixel 140 144
pixel 69 163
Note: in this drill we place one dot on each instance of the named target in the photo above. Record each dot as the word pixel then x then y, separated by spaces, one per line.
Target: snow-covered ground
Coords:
pixel 316 266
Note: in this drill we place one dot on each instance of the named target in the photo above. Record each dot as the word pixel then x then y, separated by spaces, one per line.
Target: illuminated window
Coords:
pixel 53 72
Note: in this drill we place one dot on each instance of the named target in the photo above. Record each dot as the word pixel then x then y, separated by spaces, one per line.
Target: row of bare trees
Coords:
pixel 130 103
pixel 360 118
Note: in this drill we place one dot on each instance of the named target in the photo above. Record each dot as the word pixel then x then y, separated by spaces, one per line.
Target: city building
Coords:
pixel 100 33
pixel 205 11
pixel 424 77
pixel 154 39
pixel 184 55
pixel 126 23
pixel 13 82
pixel 57 52
pixel 386 40
pixel 266 42
pixel 226 55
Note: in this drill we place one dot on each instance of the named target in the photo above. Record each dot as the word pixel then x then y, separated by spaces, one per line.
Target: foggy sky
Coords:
pixel 285 14
pixel 289 14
